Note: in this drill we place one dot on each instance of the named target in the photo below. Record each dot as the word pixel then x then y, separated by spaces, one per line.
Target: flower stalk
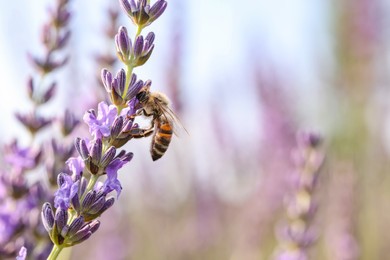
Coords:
pixel 297 235
pixel 85 188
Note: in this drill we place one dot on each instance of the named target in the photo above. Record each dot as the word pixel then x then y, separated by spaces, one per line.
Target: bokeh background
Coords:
pixel 244 77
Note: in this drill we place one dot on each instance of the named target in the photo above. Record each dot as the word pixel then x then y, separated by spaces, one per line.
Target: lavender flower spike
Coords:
pixel 141 13
pixel 298 235
pixel 82 195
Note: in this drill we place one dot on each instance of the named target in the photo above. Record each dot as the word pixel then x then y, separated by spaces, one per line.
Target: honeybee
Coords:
pixel 156 105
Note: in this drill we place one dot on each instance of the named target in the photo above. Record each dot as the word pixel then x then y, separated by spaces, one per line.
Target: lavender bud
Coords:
pixel 76 203
pixel 84 233
pixel 127 157
pixel 157 10
pixel 60 219
pixel 81 235
pixel 30 87
pixel 47 216
pixel 81 147
pixel 94 226
pixel 145 57
pixel 127 6
pixel 106 80
pixel 134 89
pixel 107 205
pixel 128 125
pixel 61 179
pixel 115 86
pixel 138 46
pixel 108 156
pixel 123 44
pixel 33 122
pixel 149 39
pixel 96 151
pixel 63 39
pixel 97 205
pixel 75 226
pixel 88 200
pixel 50 92
pixel 121 77
pixel 116 127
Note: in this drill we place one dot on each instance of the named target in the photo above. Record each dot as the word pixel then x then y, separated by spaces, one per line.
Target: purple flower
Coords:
pixel 76 166
pixel 100 124
pixel 7 225
pixel 68 189
pixel 22 254
pixel 141 13
pixel 112 182
pixel 21 158
pixel 32 121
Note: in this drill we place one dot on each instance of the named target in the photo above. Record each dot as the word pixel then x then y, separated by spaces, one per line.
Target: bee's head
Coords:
pixel 143 95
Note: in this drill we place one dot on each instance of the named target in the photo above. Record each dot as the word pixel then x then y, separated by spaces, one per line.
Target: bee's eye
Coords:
pixel 141 96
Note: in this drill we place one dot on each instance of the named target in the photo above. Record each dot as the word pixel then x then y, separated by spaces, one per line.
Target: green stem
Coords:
pixel 91 183
pixel 54 252
pixel 130 65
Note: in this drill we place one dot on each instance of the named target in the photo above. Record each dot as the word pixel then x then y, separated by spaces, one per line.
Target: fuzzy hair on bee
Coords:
pixel 156 106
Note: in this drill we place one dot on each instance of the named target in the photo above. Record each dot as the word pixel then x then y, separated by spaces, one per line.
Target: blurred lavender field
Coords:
pixel 245 79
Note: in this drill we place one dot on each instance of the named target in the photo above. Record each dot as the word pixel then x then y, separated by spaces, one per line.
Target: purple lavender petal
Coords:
pixel 76 166
pixel 66 192
pixel 99 125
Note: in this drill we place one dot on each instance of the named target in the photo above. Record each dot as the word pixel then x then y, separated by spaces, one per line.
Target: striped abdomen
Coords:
pixel 161 139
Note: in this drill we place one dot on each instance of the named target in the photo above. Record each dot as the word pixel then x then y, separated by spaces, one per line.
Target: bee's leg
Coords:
pixel 139 132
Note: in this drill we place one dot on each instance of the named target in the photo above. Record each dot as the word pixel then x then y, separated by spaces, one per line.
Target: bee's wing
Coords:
pixel 173 118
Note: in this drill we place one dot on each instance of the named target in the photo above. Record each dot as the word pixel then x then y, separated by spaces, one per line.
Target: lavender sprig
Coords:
pixel 298 234
pixel 20 208
pixel 83 195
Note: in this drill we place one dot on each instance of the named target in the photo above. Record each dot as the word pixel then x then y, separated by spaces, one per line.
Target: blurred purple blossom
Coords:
pixel 68 188
pixel 76 166
pixel 297 235
pixel 21 159
pixel 22 254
